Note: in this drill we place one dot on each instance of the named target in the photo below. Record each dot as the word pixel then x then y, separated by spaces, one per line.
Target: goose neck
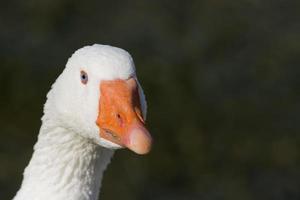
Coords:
pixel 64 165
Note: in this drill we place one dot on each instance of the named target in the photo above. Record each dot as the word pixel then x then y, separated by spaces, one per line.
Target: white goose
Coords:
pixel 95 106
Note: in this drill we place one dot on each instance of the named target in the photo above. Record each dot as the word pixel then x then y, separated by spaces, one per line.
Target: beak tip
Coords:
pixel 140 141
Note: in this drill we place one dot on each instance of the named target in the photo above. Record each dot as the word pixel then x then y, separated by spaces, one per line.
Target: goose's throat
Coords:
pixel 64 166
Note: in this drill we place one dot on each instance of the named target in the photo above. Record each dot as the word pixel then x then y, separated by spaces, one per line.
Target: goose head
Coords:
pixel 98 96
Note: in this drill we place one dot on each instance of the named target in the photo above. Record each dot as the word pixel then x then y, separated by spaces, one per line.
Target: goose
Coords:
pixel 94 107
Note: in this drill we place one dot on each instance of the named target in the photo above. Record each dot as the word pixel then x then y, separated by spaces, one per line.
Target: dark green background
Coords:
pixel 221 79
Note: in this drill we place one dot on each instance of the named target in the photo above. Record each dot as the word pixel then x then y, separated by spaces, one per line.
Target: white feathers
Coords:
pixel 75 105
pixel 68 162
pixel 106 62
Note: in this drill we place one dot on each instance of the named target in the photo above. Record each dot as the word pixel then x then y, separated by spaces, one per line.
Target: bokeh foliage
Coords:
pixel 221 79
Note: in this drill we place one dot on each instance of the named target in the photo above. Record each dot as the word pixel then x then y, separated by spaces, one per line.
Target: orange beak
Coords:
pixel 120 117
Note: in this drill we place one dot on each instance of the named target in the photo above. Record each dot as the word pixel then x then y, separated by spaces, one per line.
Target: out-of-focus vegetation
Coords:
pixel 221 77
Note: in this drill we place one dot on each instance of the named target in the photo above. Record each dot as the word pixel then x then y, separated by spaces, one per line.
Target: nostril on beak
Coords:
pixel 119 118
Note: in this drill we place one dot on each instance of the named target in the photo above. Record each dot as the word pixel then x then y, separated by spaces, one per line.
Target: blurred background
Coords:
pixel 221 79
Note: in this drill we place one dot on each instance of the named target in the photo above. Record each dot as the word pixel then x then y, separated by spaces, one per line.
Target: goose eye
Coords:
pixel 83 77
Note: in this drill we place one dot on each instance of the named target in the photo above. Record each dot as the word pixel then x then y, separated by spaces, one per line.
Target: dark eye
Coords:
pixel 84 77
